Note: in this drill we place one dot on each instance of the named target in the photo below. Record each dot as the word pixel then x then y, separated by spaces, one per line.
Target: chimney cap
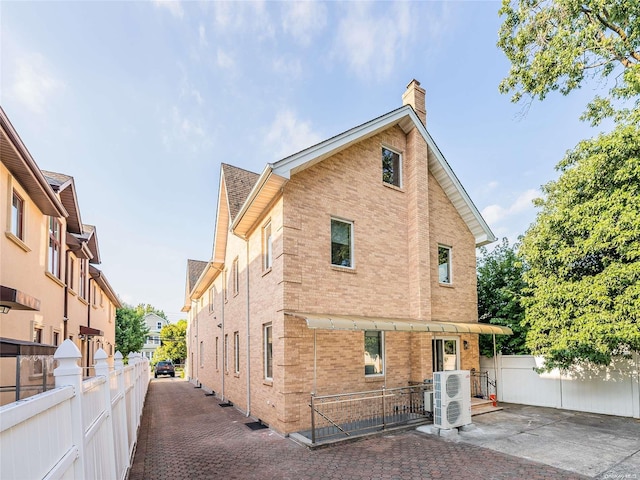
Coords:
pixel 413 81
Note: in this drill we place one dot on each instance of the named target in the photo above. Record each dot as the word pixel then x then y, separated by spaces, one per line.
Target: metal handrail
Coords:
pixel 346 414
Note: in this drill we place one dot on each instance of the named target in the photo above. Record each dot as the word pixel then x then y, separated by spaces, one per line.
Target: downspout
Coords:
pixel 222 345
pixel 248 339
pixel 89 319
pixel 65 314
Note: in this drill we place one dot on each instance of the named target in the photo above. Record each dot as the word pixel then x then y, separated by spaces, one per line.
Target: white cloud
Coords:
pixel 291 68
pixel 287 135
pixel 180 128
pixel 225 60
pixel 497 213
pixel 202 35
pixel 248 17
pixel 371 43
pixel 373 38
pixel 174 7
pixel 303 20
pixel 33 84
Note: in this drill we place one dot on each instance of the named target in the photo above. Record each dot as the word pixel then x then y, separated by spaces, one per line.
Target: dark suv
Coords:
pixel 164 367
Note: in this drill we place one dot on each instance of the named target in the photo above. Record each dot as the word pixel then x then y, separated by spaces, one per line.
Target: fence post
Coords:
pixel 383 412
pixel 121 425
pixel 313 420
pixel 69 373
pixel 101 368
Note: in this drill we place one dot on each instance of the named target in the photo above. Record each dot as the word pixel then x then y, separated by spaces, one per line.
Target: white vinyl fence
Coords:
pixel 612 390
pixel 81 429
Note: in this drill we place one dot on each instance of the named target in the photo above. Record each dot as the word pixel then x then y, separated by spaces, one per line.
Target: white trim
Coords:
pixel 264 350
pixel 400 164
pixel 407 119
pixel 352 249
pixel 449 263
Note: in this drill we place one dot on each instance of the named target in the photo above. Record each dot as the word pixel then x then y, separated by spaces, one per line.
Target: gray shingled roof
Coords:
pixel 239 183
pixel 55 179
pixel 194 270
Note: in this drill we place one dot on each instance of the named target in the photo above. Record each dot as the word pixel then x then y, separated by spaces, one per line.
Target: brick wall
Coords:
pixel 396 237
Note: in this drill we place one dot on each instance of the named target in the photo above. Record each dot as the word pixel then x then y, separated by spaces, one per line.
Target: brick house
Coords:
pixel 345 267
pixel 50 287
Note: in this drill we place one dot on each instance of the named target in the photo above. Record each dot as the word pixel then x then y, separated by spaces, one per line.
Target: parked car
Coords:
pixel 164 367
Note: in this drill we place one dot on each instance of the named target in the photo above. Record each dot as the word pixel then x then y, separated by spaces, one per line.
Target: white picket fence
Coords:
pixel 83 429
pixel 612 390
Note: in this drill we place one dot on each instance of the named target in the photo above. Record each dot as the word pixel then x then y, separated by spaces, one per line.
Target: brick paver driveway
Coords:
pixel 187 435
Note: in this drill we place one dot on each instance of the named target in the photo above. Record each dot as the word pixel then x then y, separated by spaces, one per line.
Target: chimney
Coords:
pixel 415 96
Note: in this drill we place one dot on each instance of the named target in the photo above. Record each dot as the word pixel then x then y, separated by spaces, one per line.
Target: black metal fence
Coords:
pixel 350 414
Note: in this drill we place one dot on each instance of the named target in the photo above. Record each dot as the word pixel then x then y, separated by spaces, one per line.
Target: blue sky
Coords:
pixel 141 101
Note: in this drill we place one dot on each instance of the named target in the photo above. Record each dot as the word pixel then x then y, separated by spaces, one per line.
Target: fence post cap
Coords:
pixel 117 355
pixel 100 355
pixel 67 349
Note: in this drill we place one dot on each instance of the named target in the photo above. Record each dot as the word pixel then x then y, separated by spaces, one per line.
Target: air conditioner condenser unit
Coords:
pixel 452 398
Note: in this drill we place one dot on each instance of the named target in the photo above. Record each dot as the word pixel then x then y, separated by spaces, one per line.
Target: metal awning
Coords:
pixel 90 332
pixel 350 322
pixel 18 300
pixel 11 347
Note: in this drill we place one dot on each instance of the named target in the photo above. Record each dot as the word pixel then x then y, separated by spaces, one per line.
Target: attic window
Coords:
pixel 391 167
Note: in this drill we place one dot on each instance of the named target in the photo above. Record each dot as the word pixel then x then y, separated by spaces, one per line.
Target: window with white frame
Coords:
pixel 391 167
pixel 17 216
pixel 236 352
pixel 201 354
pixel 268 351
pixel 224 284
pixel 82 283
pixel 217 342
pixel 71 274
pixel 235 283
pixel 373 352
pixel 225 353
pixel 341 243
pixel 444 264
pixel 158 325
pixel 55 246
pixel 267 246
pixel 211 300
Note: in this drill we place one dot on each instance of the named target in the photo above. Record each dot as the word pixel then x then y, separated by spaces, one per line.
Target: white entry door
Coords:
pixel 445 354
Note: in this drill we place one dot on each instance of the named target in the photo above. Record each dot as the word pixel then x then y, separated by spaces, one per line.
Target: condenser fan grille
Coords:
pixel 454 410
pixel 453 386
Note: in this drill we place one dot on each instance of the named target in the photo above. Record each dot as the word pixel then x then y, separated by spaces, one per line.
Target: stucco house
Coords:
pixel 154 323
pixel 347 267
pixel 50 286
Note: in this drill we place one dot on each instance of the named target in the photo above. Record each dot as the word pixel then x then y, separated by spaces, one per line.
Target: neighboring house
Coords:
pixel 154 323
pixel 338 269
pixel 50 288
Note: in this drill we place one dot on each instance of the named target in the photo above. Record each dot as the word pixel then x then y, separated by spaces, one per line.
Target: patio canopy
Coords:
pixel 349 322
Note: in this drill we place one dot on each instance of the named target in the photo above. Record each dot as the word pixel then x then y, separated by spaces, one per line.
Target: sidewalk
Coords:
pixel 187 435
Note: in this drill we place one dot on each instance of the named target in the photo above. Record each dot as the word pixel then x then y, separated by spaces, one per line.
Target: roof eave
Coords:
pixel 46 200
pixel 263 193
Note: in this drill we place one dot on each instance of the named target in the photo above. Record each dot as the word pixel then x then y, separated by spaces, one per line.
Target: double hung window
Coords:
pixel 54 246
pixel 17 216
pixel 267 247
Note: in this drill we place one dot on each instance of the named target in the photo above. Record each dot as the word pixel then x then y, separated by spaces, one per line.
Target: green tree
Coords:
pixel 556 44
pixel 142 309
pixel 500 289
pixel 174 343
pixel 131 330
pixel 583 255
